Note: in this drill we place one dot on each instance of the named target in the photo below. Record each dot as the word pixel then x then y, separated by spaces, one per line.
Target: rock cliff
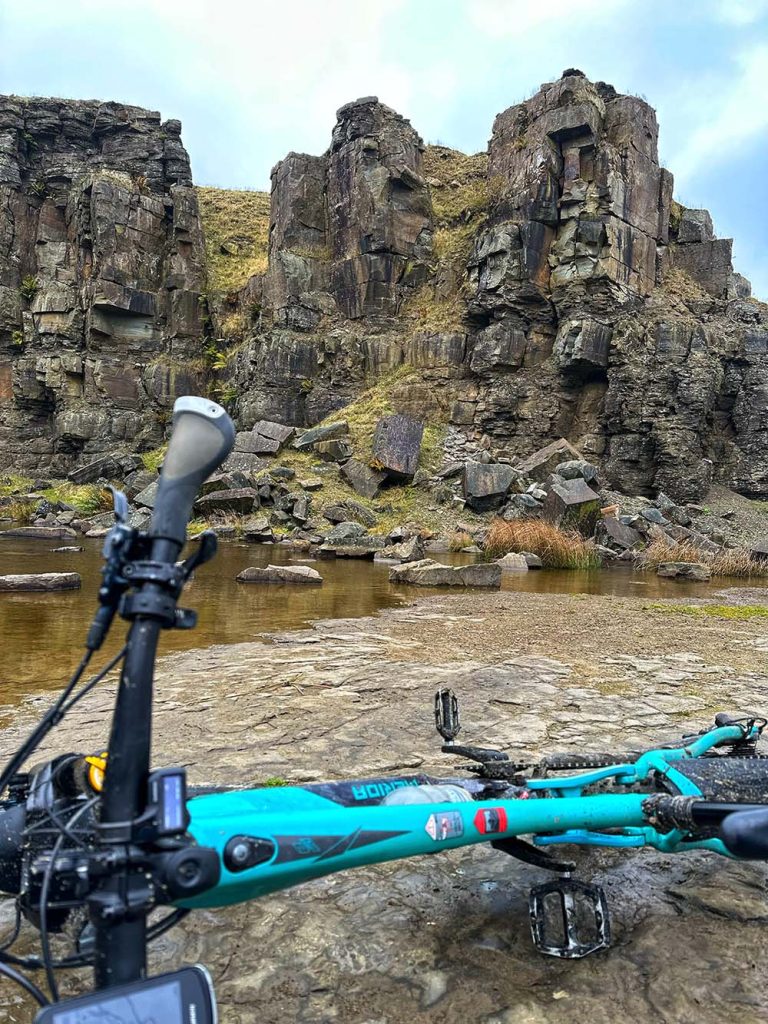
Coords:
pixel 548 288
pixel 551 288
pixel 101 278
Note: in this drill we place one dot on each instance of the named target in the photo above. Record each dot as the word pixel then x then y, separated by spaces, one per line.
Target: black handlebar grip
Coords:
pixel 203 436
pixel 745 834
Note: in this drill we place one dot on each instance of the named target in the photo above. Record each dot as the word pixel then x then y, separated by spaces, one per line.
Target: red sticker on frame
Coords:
pixel 491 820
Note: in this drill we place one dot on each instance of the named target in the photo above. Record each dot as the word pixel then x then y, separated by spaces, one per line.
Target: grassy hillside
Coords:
pixel 236 227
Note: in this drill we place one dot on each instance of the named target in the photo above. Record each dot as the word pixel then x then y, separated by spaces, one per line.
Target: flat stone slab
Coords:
pixel 428 573
pixel 301 574
pixel 328 432
pixel 41 581
pixel 696 571
pixel 513 562
pixel 40 533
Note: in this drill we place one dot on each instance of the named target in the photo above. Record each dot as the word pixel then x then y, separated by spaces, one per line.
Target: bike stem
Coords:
pixel 119 912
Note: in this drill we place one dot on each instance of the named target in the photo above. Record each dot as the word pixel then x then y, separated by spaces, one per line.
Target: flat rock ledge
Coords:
pixel 696 571
pixel 39 533
pixel 428 573
pixel 302 574
pixel 41 581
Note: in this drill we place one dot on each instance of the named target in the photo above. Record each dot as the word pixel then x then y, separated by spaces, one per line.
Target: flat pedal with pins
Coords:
pixel 569 918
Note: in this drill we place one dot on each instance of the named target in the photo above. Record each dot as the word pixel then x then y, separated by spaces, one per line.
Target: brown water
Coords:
pixel 41 635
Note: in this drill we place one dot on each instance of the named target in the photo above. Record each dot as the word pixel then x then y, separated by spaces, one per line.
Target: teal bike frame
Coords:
pixel 315 830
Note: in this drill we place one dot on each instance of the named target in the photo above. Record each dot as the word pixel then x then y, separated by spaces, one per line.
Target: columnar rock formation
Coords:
pixel 588 304
pixel 101 276
pixel 549 288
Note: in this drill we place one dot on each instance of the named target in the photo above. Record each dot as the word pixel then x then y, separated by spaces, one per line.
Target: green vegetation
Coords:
pixel 735 612
pixel 86 499
pixel 236 229
pixel 29 287
pixel 461 194
pixel 14 483
pixel 556 548
pixel 17 339
pixel 153 460
pixel 275 780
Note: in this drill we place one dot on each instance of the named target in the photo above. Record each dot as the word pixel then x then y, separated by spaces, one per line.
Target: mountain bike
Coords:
pixel 96 843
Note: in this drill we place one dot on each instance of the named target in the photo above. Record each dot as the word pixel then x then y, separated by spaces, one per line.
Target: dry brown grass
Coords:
pixel 557 549
pixel 459 540
pixel 728 562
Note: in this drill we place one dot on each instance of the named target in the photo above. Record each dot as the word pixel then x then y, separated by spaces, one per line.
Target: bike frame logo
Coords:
pixel 445 825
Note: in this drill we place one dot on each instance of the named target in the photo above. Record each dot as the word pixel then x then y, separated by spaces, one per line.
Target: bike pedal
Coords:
pixel 569 918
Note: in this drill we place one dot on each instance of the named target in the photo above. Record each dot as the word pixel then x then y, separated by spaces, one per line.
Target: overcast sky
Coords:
pixel 251 80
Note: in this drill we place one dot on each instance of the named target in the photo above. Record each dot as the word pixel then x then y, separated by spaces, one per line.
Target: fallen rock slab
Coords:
pixel 40 532
pixel 695 571
pixel 397 445
pixel 302 574
pixel 486 484
pixel 362 478
pixel 41 581
pixel 428 573
pixel 406 551
pixel 572 505
pixel 543 462
pixel 328 432
pixel 242 500
pixel 67 549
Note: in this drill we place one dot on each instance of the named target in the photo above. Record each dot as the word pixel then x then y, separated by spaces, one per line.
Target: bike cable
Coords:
pixel 26 984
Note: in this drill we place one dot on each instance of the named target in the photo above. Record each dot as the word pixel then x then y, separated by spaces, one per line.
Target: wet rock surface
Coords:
pixel 446 938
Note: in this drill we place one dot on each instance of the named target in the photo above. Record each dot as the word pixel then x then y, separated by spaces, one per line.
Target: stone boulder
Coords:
pixel 346 533
pixel 572 505
pixel 326 432
pixel 543 462
pixel 397 446
pixel 406 551
pixel 575 469
pixel 257 530
pixel 336 450
pixel 147 497
pixel 41 581
pixel 612 533
pixel 696 572
pixel 242 500
pixel 486 484
pixel 362 478
pixel 428 573
pixel 302 574
pixel 513 562
pixel 349 510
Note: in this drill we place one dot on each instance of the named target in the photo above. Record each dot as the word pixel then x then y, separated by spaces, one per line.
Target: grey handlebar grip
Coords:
pixel 203 436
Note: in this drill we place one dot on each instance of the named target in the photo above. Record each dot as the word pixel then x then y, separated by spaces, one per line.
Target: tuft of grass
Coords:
pixel 459 540
pixel 19 511
pixel 14 483
pixel 727 562
pixel 274 780
pixel 153 460
pixel 86 499
pixel 737 612
pixel 29 287
pixel 557 549
pixel 236 230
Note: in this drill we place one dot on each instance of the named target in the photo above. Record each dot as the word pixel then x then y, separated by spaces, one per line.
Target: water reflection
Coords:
pixel 41 635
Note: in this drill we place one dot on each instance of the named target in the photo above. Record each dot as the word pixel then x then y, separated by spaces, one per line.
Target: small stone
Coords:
pixel 486 485
pixel 532 561
pixel 310 485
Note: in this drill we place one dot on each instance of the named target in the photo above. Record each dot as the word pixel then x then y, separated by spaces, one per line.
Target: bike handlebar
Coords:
pixel 203 435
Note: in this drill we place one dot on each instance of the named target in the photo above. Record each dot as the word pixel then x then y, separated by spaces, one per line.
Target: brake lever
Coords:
pixel 207 547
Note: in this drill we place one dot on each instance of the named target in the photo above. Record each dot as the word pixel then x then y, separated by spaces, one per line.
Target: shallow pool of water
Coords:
pixel 41 635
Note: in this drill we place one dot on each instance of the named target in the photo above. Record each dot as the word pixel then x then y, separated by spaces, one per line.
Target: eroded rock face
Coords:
pixel 101 279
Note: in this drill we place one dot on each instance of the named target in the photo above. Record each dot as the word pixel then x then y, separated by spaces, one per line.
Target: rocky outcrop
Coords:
pixel 101 280
pixel 549 289
pixel 583 302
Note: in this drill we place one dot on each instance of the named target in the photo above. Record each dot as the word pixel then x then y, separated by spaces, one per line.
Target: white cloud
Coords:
pixel 741 12
pixel 516 17
pixel 729 116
